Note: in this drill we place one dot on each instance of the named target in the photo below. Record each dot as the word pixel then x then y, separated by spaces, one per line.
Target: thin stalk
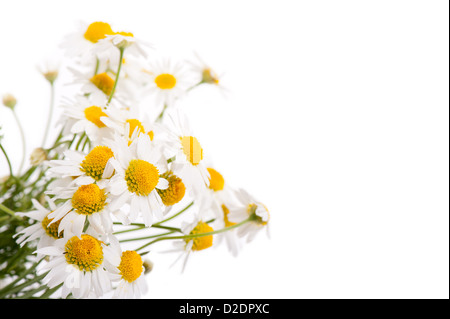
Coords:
pixel 160 116
pixel 117 75
pixel 22 135
pixel 7 159
pixel 50 113
pixel 197 235
pixel 177 214
pixel 8 211
pixel 146 237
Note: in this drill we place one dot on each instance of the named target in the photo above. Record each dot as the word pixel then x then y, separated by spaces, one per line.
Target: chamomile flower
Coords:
pixel 137 177
pixel 189 245
pixel 126 268
pixel 126 122
pixel 175 192
pixel 85 115
pixel 230 237
pixel 122 41
pixel 83 203
pixel 215 195
pixel 167 82
pixel 77 262
pixel 216 199
pixel 81 42
pixel 248 207
pixel 84 168
pixel 42 229
pixel 204 73
pixel 188 163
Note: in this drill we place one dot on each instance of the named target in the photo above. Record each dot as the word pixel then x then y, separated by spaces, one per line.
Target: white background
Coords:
pixel 336 118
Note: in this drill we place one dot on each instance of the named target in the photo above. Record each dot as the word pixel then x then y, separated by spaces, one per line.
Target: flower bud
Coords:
pixel 9 101
pixel 148 266
pixel 38 156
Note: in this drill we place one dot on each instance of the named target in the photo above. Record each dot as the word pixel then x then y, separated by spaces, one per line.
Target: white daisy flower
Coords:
pixel 78 263
pixel 85 115
pixel 249 207
pixel 188 163
pixel 42 229
pixel 127 270
pixel 122 41
pixel 216 199
pixel 126 123
pixel 167 83
pixel 83 203
pixel 187 246
pixel 81 42
pixel 83 168
pixel 137 177
pixel 204 73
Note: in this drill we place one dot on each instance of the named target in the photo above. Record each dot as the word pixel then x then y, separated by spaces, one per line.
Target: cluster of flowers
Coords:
pixel 129 171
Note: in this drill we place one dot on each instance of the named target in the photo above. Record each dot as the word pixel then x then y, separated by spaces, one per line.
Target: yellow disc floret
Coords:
pixel 175 192
pixel 142 177
pixel 52 229
pixel 202 242
pixel 94 163
pixel 131 265
pixel 89 199
pixel 103 82
pixel 226 211
pixel 97 31
pixel 165 81
pixel 93 114
pixel 216 181
pixel 86 253
pixel 208 76
pixel 134 123
pixel 192 149
pixel 125 34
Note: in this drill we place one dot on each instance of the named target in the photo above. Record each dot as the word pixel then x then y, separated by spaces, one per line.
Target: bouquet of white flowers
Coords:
pixel 114 171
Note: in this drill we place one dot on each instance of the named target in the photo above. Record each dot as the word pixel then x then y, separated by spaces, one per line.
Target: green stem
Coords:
pixel 7 159
pixel 197 235
pixel 194 86
pixel 22 135
pixel 117 75
pixel 146 237
pixel 8 211
pixel 97 64
pixel 177 214
pixel 50 113
pixel 160 116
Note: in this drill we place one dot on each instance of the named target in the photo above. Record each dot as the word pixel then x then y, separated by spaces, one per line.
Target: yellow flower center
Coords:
pixel 151 135
pixel 165 81
pixel 203 242
pixel 86 253
pixel 216 181
pixel 142 177
pixel 93 114
pixel 226 211
pixel 130 265
pixel 89 199
pixel 192 149
pixel 103 82
pixel 97 31
pixel 175 192
pixel 208 76
pixel 133 124
pixel 94 163
pixel 52 230
pixel 125 34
